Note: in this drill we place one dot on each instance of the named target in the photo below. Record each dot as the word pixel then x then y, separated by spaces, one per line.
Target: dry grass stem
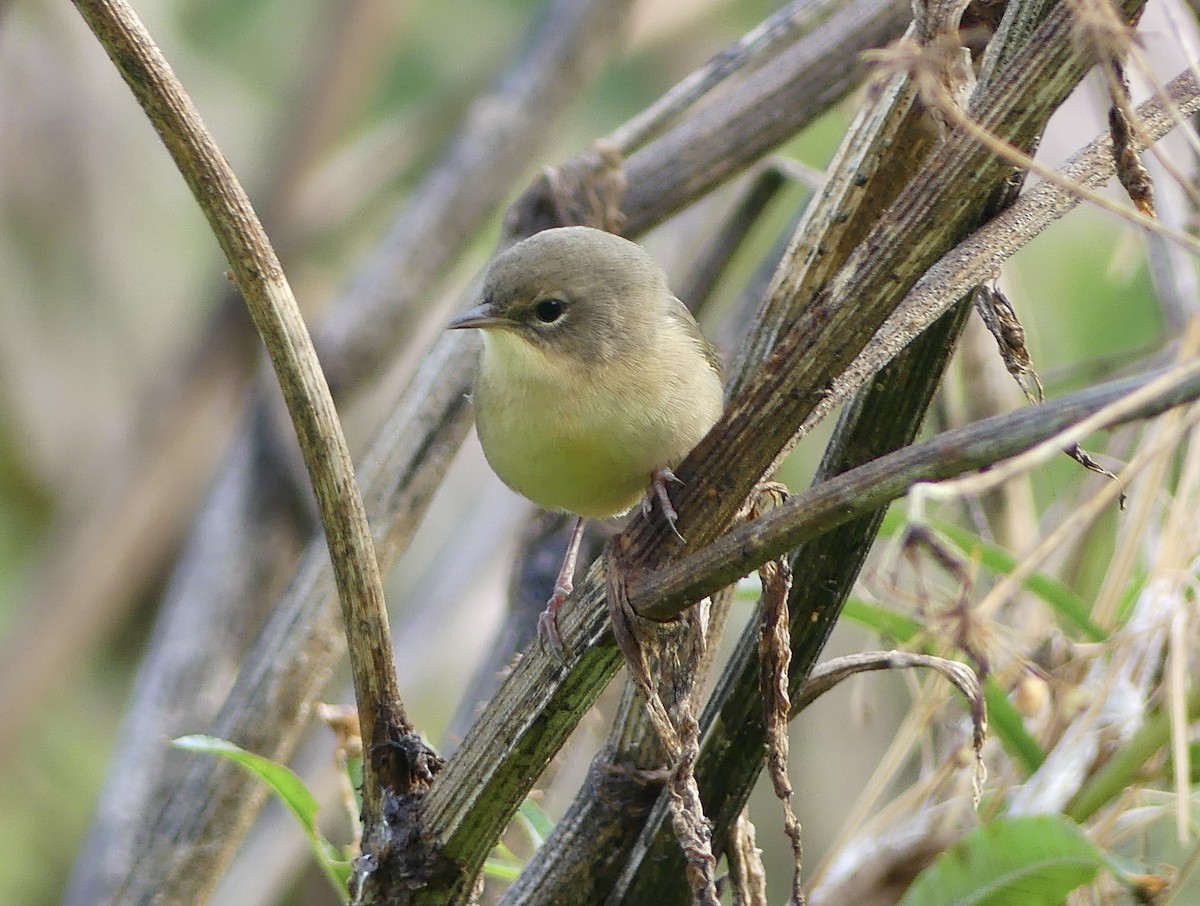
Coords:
pixel 870 816
pixel 1111 492
pixel 692 828
pixel 775 655
pixel 277 317
pixel 857 491
pixel 1179 653
pixel 678 653
pixel 751 50
pixel 1046 450
pixel 748 877
pixel 825 676
pixel 923 66
pixel 634 639
pixel 343 722
pixel 1001 320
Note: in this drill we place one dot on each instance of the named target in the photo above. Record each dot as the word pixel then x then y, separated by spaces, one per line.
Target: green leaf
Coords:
pixel 1028 861
pixel 500 869
pixel 291 790
pixel 1006 722
pixel 536 822
pixel 354 773
pixel 902 629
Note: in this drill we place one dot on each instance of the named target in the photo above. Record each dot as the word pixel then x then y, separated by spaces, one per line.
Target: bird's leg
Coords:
pixel 548 621
pixel 658 491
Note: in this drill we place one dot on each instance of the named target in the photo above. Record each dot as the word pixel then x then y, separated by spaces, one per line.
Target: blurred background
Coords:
pixel 121 349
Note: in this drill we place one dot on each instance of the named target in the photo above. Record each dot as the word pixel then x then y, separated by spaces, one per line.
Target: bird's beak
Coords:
pixel 479 316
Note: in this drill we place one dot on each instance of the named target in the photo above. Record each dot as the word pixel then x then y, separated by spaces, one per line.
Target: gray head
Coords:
pixel 582 292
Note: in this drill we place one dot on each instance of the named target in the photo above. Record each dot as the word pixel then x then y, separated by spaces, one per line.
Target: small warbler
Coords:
pixel 594 381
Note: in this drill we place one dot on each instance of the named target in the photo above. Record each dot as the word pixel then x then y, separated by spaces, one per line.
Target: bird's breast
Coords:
pixel 582 439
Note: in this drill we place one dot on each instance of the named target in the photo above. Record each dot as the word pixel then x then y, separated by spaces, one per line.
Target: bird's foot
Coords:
pixel 658 491
pixel 548 622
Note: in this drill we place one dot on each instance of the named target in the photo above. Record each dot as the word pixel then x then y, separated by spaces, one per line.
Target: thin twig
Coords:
pixel 937 98
pixel 717 142
pixel 753 48
pixel 290 348
pixel 827 675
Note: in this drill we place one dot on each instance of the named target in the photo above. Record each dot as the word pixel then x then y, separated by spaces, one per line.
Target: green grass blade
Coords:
pixel 1006 722
pixel 896 626
pixel 290 789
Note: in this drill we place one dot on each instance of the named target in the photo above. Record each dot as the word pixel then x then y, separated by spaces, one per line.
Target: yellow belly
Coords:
pixel 557 471
pixel 587 444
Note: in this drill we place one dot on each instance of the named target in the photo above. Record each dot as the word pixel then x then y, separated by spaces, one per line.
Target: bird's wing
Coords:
pixel 680 313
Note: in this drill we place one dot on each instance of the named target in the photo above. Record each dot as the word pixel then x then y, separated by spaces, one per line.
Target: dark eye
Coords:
pixel 549 310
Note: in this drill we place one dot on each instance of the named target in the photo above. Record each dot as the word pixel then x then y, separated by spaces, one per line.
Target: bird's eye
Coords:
pixel 549 310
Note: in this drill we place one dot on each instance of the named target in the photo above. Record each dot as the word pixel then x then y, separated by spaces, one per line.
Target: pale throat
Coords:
pixel 524 367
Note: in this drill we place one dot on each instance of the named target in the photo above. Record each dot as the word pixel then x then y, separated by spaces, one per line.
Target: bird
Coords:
pixel 594 381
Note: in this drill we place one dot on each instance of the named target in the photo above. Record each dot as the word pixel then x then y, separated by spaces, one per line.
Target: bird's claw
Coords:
pixel 658 491
pixel 548 624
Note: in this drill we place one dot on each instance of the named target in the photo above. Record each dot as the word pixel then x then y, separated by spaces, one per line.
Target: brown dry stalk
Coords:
pixel 687 813
pixel 998 315
pixel 769 412
pixel 917 63
pixel 827 675
pixel 1111 42
pixel 858 491
pixel 775 655
pixel 748 877
pixel 625 622
pixel 754 48
pixel 979 257
pixel 678 651
pixel 174 826
pixel 277 317
pixel 1121 123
